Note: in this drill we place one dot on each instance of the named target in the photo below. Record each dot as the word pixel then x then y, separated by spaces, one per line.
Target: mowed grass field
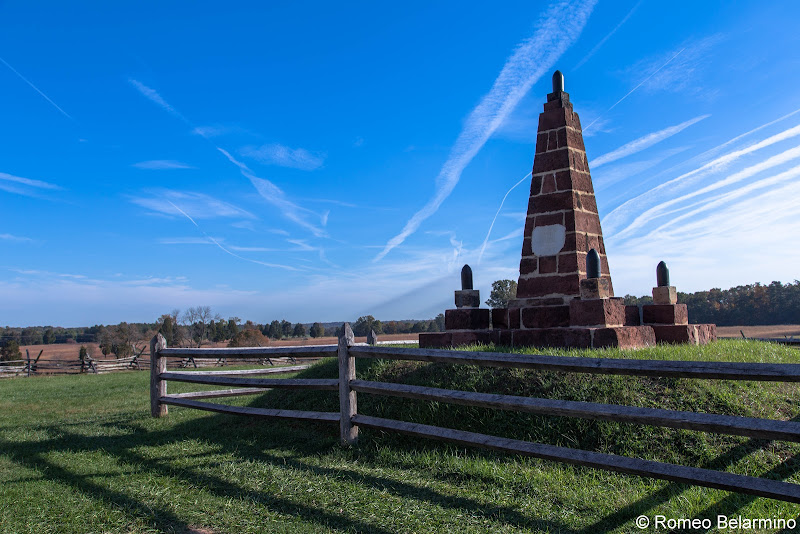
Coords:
pixel 81 454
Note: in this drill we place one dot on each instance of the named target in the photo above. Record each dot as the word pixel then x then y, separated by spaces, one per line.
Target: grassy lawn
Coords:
pixel 80 454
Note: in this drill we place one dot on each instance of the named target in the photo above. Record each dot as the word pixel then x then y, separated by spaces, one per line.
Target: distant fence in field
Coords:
pixel 349 420
pixel 191 359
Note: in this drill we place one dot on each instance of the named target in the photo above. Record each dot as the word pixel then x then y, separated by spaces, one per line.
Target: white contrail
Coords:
pixel 558 28
pixel 24 79
pixel 153 95
pixel 744 191
pixel 635 88
pixel 485 241
pixel 607 37
pixel 288 268
pixel 652 213
pixel 643 142
pixel 663 190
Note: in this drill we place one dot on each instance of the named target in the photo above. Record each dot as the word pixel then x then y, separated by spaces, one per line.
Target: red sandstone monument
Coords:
pixel 564 295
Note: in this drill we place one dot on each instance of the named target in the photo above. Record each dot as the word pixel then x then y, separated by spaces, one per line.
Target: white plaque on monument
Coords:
pixel 548 240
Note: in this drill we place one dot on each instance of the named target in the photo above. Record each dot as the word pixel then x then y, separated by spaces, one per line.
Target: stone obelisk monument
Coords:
pixel 564 294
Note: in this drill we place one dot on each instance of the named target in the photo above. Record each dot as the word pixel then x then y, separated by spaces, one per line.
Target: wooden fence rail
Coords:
pixel 350 420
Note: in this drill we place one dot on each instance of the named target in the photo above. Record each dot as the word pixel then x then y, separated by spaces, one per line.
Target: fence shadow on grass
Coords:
pixel 227 434
pixel 728 506
pixel 247 440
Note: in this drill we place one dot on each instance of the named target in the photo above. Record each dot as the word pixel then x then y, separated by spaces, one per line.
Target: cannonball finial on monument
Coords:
pixel 558 82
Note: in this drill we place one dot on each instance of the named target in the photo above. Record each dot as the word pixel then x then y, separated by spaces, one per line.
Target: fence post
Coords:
pixel 158 365
pixel 28 355
pixel 347 397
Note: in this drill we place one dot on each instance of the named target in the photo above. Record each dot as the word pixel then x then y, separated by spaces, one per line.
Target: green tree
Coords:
pixel 502 292
pixel 233 327
pixel 286 328
pixel 10 351
pixel 299 330
pixel 83 353
pixel 167 329
pixel 439 322
pixel 366 323
pixel 49 336
pixel 31 336
pixel 418 327
pixel 317 330
pixel 275 330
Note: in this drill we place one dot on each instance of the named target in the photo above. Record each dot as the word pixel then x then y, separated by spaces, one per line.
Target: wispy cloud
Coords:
pixel 275 196
pixel 268 190
pixel 198 205
pixel 283 156
pixel 607 37
pixel 24 186
pixel 189 240
pixel 27 181
pixel 225 250
pixel 643 142
pixel 10 237
pixel 162 164
pixel 684 72
pixel 556 31
pixel 153 95
pixel 41 93
pixel 213 131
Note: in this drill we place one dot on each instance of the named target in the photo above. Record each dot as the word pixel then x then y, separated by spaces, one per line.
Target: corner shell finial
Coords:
pixel 466 277
pixel 662 274
pixel 592 264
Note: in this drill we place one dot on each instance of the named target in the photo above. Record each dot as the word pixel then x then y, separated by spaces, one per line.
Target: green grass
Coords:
pixel 81 454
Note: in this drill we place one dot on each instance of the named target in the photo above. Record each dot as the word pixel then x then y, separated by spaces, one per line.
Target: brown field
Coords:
pixel 776 330
pixel 69 351
pixel 61 351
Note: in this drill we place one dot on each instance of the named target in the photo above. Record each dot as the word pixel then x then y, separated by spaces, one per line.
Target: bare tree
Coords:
pixel 197 319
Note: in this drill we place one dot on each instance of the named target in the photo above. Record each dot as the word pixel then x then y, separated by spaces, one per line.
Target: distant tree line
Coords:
pixel 748 305
pixel 753 304
pixel 194 327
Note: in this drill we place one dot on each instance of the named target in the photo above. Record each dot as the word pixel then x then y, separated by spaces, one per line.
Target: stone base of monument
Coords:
pixel 694 334
pixel 584 323
pixel 625 337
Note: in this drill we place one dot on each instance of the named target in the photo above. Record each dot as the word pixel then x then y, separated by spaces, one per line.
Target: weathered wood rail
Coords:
pixel 12 368
pixel 350 420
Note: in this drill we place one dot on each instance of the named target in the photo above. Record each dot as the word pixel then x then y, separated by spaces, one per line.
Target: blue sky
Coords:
pixel 322 161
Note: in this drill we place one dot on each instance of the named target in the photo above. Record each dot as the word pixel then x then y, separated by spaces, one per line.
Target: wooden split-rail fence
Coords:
pixel 350 421
pixel 38 366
